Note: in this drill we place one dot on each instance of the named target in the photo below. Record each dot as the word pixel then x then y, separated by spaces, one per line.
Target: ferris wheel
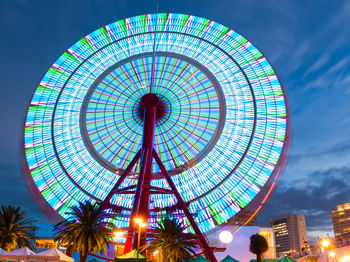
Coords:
pixel 159 114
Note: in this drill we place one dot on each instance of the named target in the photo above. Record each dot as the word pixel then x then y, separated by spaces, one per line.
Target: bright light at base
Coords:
pixel 118 235
pixel 138 220
pixel 325 243
pixel 225 237
pixel 346 258
pixel 332 254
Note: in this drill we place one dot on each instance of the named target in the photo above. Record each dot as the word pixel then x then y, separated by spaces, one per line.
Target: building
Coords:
pixel 268 234
pixel 290 234
pixel 341 224
pixel 45 243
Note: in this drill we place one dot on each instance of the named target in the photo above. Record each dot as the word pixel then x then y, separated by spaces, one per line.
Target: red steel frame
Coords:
pixel 147 153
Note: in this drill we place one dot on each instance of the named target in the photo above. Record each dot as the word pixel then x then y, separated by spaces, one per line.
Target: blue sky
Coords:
pixel 307 42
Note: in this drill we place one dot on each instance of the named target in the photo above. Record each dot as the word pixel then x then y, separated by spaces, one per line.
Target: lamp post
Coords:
pixel 325 243
pixel 333 255
pixel 141 224
pixel 118 235
pixel 156 255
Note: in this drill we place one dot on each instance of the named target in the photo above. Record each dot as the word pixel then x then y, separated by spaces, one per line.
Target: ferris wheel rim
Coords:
pixel 284 145
pixel 152 32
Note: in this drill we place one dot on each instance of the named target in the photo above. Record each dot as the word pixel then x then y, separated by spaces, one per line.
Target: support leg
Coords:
pixel 203 243
pixel 106 202
pixel 141 200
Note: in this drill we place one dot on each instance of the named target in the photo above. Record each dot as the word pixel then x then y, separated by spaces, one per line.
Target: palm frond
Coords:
pixel 171 240
pixel 86 229
pixel 15 229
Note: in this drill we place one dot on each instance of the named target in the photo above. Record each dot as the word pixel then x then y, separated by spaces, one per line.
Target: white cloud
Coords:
pixel 321 61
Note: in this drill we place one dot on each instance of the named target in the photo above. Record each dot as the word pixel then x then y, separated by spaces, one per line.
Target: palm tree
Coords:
pixel 170 239
pixel 258 246
pixel 87 229
pixel 15 229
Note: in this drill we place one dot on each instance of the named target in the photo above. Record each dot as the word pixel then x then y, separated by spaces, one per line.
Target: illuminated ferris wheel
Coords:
pixel 159 114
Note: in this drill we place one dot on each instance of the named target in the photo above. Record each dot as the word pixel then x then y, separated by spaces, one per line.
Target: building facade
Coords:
pixel 268 234
pixel 341 223
pixel 45 243
pixel 290 234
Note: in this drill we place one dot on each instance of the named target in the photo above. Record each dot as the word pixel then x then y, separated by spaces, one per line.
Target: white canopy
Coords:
pixel 2 251
pixel 19 254
pixel 52 255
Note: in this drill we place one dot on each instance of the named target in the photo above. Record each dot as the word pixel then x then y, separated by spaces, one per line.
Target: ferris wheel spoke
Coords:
pixel 176 131
pixel 141 70
pixel 169 153
pixel 175 144
pixel 113 124
pixel 126 91
pixel 161 75
pixel 121 134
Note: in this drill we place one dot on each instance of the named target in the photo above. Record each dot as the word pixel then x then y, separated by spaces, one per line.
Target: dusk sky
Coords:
pixel 307 42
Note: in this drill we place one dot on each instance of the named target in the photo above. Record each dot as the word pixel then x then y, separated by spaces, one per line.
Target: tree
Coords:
pixel 170 239
pixel 258 246
pixel 15 229
pixel 86 229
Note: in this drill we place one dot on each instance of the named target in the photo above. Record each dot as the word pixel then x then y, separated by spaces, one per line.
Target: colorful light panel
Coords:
pixel 112 121
pixel 222 136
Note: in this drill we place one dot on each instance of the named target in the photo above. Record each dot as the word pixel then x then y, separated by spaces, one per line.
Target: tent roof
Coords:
pixel 265 260
pixel 131 254
pixel 2 251
pixel 53 254
pixel 200 259
pixel 229 259
pixel 286 259
pixel 24 251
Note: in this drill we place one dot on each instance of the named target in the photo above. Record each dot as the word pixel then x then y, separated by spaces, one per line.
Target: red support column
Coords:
pixel 106 202
pixel 140 208
pixel 209 254
pixel 141 202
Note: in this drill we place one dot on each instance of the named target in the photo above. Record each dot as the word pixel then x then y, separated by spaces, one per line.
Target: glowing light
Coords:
pixel 332 253
pixel 221 138
pixel 346 258
pixel 225 237
pixel 143 224
pixel 138 220
pixel 118 235
pixel 325 243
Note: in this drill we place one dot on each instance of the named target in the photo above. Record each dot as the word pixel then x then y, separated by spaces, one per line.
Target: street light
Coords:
pixel 325 243
pixel 141 224
pixel 118 235
pixel 156 254
pixel 225 237
pixel 333 255
pixel 138 220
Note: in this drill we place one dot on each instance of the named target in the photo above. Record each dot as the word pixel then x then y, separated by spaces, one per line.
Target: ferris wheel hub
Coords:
pixel 152 100
pixel 149 100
